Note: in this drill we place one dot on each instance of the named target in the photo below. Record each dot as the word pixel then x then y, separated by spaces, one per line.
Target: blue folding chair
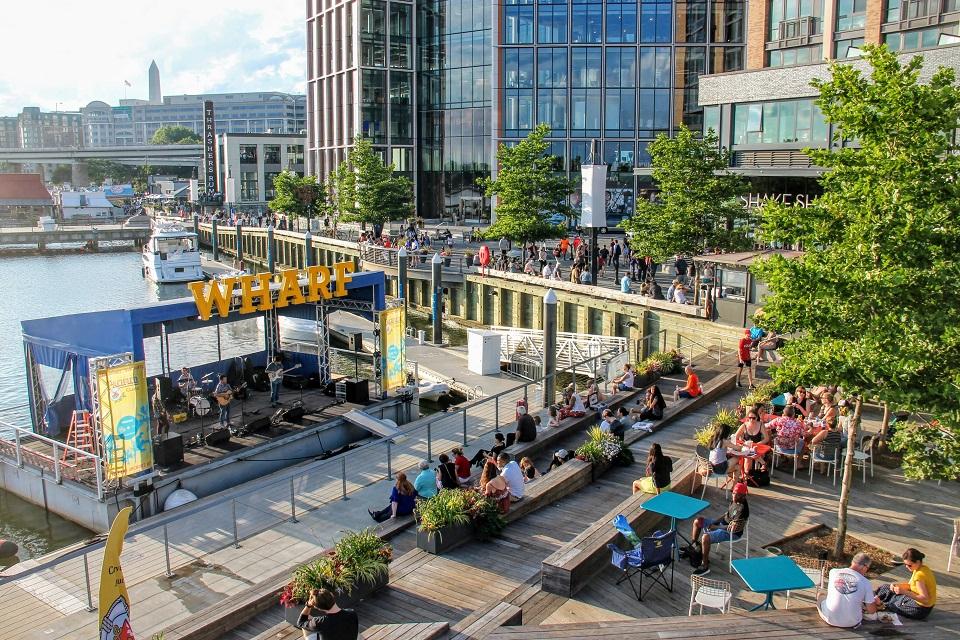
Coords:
pixel 650 559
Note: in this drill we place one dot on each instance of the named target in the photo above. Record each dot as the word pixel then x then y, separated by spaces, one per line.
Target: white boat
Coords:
pixel 431 390
pixel 171 255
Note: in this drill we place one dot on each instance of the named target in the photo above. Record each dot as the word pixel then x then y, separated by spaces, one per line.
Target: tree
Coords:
pixel 298 195
pixel 873 298
pixel 100 170
pixel 63 173
pixel 175 134
pixel 698 206
pixel 140 177
pixel 366 190
pixel 529 190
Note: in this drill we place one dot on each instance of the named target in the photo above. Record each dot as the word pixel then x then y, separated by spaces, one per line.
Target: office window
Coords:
pixel 373 33
pixel 656 21
pixel 518 22
pixel 723 59
pixel 248 186
pixel 248 154
pixel 401 36
pixel 691 21
pixel 842 47
pixel 269 193
pixel 518 68
pixel 851 14
pixel 620 112
pixel 727 23
pixel 621 67
pixel 618 156
pixel 551 23
pixel 517 112
pixel 294 154
pixel 789 121
pixel 587 23
pixel 794 18
pixel 585 66
pixel 795 55
pixel 917 39
pixel 552 67
pixel 621 22
pixel 584 112
pixel 552 109
pixel 271 154
pixel 654 96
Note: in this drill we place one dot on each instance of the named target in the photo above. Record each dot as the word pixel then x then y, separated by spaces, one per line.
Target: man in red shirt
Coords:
pixel 743 357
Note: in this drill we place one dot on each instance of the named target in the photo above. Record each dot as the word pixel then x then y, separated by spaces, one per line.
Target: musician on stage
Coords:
pixel 224 393
pixel 274 371
pixel 160 409
pixel 186 382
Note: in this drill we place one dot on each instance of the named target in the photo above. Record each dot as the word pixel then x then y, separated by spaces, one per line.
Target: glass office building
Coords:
pixel 485 74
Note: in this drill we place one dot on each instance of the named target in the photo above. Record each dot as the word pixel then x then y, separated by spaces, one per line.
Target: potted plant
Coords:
pixel 602 450
pixel 724 417
pixel 454 516
pixel 357 566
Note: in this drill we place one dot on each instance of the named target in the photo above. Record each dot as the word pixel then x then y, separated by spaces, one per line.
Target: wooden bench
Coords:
pixel 484 621
pixel 571 567
pixel 568 478
pixel 407 631
pixel 568 426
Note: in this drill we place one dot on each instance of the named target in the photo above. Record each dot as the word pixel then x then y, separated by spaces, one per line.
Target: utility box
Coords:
pixel 483 352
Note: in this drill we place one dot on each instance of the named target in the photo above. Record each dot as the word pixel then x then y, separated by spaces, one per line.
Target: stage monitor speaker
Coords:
pixel 294 382
pixel 217 436
pixel 355 341
pixel 357 391
pixel 293 414
pixel 168 449
pixel 260 424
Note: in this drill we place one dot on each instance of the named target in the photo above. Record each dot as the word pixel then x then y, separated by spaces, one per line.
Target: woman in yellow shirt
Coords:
pixel 914 599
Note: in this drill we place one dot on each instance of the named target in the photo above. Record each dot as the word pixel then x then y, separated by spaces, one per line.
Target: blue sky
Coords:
pixel 90 48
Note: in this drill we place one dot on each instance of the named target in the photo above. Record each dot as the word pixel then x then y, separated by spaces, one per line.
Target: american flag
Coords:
pixel 127 83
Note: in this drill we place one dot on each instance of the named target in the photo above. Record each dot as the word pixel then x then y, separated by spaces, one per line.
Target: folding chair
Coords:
pixel 650 560
pixel 816 570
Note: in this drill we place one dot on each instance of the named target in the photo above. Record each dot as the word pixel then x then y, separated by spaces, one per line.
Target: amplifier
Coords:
pixel 294 382
pixel 260 424
pixel 293 414
pixel 356 391
pixel 217 436
pixel 168 449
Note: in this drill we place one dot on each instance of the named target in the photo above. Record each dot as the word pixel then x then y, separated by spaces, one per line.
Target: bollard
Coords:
pixel 464 427
pixel 550 347
pixel 166 551
pixel 496 413
pixel 271 253
pixel 236 535
pixel 429 442
pixel 343 476
pixel 293 503
pixel 389 464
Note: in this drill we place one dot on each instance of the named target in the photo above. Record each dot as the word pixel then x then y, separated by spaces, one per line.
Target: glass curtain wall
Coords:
pixel 617 72
pixel 455 54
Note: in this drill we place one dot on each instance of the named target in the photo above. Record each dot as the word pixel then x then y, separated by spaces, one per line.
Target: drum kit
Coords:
pixel 198 399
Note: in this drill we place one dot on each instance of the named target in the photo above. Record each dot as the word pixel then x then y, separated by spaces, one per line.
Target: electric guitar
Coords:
pixel 278 375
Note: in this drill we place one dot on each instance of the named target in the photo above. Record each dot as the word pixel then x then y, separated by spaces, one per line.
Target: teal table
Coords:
pixel 771 574
pixel 779 401
pixel 678 507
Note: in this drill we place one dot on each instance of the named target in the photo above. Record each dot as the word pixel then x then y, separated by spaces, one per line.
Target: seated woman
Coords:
pixel 753 433
pixel 653 404
pixel 447 473
pixel 826 444
pixel 529 471
pixel 591 394
pixel 659 468
pixel 499 444
pixel 802 402
pixel 717 450
pixel 554 414
pixel 493 485
pixel 463 465
pixel 574 407
pixel 559 457
pixel 402 500
pixel 916 598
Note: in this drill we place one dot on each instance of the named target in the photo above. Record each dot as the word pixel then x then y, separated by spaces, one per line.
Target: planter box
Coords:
pixel 445 539
pixel 645 380
pixel 360 592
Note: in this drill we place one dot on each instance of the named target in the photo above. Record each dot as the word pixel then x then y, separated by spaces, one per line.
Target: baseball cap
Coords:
pixel 740 488
pixel 561 453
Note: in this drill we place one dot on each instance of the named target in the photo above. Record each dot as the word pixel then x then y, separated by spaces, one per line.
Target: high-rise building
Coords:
pixel 436 85
pixel 766 114
pixel 156 97
pixel 35 129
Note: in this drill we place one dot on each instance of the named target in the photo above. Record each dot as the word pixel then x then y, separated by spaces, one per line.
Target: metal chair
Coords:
pixel 715 594
pixel 954 544
pixel 745 539
pixel 785 452
pixel 863 455
pixel 705 471
pixel 651 559
pixel 820 455
pixel 815 569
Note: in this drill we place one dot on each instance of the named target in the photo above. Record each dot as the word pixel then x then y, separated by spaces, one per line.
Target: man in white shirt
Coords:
pixel 512 474
pixel 849 594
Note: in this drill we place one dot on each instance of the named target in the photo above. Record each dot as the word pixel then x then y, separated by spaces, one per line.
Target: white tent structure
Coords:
pixel 88 204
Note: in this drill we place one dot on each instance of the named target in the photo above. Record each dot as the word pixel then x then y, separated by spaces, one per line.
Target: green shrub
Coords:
pixel 602 446
pixel 451 507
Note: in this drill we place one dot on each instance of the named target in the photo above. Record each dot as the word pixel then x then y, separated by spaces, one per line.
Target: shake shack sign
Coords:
pixel 209 147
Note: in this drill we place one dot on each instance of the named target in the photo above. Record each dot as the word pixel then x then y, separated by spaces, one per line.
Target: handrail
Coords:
pixel 286 476
pixel 706 348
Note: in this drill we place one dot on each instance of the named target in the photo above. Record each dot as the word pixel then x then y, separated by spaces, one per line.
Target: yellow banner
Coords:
pixel 125 419
pixel 114 610
pixel 393 348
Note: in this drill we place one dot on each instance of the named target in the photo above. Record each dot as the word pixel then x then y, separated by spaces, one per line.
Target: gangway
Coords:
pixel 523 347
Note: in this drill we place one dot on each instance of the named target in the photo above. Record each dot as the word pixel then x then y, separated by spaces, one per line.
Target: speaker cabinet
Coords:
pixel 357 391
pixel 168 449
pixel 260 424
pixel 217 437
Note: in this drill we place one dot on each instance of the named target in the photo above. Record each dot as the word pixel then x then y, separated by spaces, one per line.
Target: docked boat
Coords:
pixel 171 255
pixel 431 390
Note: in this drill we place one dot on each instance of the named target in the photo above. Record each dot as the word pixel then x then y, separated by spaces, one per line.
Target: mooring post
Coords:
pixel 549 347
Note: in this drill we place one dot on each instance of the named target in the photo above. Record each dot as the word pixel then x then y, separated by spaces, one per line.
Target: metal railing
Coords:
pixel 697 348
pixel 387 256
pixel 186 534
pixel 87 470
pixel 571 347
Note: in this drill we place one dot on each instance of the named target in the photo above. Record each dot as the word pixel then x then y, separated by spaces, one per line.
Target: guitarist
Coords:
pixel 224 393
pixel 274 371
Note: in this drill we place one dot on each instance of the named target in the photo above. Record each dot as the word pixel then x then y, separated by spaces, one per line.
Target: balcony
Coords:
pixel 798 28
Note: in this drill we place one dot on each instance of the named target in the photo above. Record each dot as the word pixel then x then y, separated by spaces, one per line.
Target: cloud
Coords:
pixel 211 46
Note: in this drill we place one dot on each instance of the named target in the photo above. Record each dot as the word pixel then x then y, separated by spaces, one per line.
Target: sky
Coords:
pixel 64 54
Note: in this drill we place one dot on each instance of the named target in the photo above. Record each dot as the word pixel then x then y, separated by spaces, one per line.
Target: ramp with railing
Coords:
pixel 522 349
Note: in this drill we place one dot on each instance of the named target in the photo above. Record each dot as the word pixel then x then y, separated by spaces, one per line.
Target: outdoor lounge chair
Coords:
pixel 651 559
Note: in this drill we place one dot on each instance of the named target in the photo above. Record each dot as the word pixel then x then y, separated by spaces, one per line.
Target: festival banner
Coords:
pixel 114 608
pixel 124 419
pixel 393 348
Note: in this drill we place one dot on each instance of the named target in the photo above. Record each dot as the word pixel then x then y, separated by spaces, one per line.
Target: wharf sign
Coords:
pixel 256 294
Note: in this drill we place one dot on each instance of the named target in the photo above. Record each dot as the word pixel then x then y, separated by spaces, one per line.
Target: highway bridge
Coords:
pixel 167 155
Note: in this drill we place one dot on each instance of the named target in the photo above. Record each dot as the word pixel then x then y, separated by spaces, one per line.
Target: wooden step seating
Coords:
pixel 406 631
pixel 571 567
pixel 484 621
